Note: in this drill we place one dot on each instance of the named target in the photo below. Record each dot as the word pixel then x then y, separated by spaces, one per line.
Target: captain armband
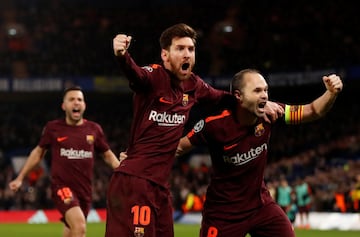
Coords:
pixel 294 114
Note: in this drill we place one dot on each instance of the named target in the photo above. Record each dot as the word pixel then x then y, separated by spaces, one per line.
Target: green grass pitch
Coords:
pixel 98 230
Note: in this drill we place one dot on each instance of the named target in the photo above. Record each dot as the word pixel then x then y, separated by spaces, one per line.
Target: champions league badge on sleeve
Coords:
pixel 199 126
pixel 139 232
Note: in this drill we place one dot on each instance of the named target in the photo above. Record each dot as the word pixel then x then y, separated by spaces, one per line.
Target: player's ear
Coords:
pixel 164 55
pixel 63 106
pixel 237 94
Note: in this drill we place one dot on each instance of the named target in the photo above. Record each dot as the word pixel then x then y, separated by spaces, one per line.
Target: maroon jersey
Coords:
pixel 72 153
pixel 239 156
pixel 161 109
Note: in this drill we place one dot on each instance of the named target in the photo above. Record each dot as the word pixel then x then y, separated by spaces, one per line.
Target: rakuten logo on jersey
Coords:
pixel 165 119
pixel 75 154
pixel 243 158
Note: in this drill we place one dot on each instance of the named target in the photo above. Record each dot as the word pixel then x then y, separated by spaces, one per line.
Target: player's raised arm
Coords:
pixel 319 107
pixel 121 43
pixel 33 160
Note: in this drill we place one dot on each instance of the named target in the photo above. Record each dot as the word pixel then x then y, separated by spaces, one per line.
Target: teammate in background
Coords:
pixel 73 142
pixel 303 201
pixel 139 201
pixel 237 200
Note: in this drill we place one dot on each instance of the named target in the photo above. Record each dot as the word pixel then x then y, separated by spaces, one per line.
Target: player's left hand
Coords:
pixel 122 156
pixel 273 111
pixel 333 83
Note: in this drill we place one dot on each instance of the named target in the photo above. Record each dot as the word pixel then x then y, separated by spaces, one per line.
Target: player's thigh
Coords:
pixel 164 224
pixel 211 227
pixel 135 207
pixel 271 221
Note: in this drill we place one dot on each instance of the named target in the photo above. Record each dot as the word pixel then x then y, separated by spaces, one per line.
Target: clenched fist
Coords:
pixel 121 43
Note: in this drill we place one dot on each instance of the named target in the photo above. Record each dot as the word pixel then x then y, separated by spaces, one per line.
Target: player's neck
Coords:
pixel 245 117
pixel 72 122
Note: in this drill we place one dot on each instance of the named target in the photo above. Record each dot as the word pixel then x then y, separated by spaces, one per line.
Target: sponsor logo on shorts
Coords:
pixel 75 154
pixel 165 119
pixel 243 158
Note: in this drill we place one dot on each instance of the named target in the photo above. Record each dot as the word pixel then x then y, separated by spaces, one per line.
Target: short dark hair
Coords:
pixel 178 30
pixel 237 81
pixel 71 88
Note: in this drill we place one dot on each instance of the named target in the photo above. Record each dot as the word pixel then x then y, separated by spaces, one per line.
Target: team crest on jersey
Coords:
pixel 185 100
pixel 199 126
pixel 139 232
pixel 259 130
pixel 90 139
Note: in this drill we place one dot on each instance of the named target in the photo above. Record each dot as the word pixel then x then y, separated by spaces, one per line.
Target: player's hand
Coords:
pixel 333 83
pixel 273 111
pixel 122 156
pixel 121 43
pixel 15 185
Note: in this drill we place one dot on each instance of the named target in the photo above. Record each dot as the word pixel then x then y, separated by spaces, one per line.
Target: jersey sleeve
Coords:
pixel 101 144
pixel 196 135
pixel 206 93
pixel 139 77
pixel 45 138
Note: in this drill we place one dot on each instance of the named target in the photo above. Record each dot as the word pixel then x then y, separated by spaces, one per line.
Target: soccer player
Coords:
pixel 237 200
pixel 73 142
pixel 138 200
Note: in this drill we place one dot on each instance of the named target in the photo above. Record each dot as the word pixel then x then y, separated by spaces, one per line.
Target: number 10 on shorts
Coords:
pixel 141 214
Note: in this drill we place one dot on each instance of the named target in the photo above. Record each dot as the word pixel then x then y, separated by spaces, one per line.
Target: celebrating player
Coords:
pixel 73 142
pixel 139 202
pixel 237 200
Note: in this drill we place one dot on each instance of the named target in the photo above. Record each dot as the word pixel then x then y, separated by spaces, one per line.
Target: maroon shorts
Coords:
pixel 268 221
pixel 65 198
pixel 138 207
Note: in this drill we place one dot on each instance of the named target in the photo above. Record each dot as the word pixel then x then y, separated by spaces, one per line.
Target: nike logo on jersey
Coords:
pixel 61 139
pixel 163 100
pixel 226 148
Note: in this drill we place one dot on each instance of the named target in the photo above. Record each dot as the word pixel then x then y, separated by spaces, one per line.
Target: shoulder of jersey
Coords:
pixel 223 114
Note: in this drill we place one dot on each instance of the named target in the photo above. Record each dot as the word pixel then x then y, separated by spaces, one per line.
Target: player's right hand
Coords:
pixel 121 43
pixel 15 185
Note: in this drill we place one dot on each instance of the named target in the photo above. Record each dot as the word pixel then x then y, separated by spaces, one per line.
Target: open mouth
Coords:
pixel 185 66
pixel 262 105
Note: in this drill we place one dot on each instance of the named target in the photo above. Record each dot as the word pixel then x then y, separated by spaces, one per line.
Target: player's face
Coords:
pixel 180 58
pixel 74 107
pixel 255 94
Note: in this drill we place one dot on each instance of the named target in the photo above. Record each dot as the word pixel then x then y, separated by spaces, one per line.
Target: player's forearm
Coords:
pixel 32 161
pixel 184 146
pixel 111 160
pixel 323 104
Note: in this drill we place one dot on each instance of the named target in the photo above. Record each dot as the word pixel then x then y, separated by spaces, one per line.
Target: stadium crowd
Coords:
pixel 73 38
pixel 40 38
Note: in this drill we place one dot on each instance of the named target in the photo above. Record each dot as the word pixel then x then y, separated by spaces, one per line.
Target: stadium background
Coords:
pixel 48 45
